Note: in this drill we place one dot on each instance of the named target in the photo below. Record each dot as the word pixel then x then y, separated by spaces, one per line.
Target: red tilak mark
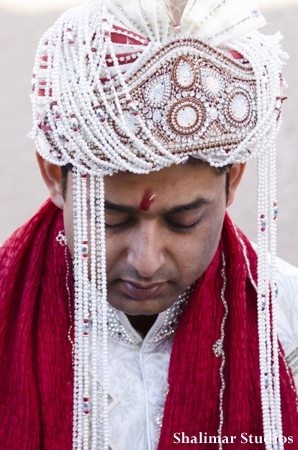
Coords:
pixel 147 200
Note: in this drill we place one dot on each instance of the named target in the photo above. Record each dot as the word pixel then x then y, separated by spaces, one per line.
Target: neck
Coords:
pixel 142 324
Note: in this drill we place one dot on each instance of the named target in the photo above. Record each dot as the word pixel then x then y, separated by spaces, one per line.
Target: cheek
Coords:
pixel 197 254
pixel 114 249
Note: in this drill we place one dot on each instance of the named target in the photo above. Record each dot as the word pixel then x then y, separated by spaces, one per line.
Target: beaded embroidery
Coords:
pixel 118 330
pixel 200 103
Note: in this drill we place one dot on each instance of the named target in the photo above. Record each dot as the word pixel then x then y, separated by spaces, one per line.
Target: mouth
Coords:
pixel 142 291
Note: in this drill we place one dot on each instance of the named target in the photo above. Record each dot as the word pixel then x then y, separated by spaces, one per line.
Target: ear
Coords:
pixel 236 174
pixel 52 177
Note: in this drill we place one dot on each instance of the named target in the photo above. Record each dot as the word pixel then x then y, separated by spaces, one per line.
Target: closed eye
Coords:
pixel 116 220
pixel 181 227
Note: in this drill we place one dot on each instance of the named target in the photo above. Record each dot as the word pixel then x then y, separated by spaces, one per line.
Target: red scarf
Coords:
pixel 36 389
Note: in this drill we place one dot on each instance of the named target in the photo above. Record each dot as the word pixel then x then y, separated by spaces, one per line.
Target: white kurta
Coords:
pixel 138 368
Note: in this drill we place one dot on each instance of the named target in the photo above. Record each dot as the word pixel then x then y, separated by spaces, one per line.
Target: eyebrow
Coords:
pixel 196 204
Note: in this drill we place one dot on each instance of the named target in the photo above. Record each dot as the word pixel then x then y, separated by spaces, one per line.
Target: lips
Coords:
pixel 140 291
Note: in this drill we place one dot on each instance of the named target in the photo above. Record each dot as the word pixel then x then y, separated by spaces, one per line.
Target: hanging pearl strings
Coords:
pixel 268 90
pixel 101 265
pixel 94 316
pixel 90 385
pixel 78 308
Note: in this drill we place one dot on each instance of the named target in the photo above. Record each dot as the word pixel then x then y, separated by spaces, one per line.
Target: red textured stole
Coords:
pixel 36 389
pixel 192 404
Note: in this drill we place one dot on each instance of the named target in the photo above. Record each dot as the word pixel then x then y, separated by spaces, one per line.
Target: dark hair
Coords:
pixel 219 170
pixel 64 171
pixel 227 171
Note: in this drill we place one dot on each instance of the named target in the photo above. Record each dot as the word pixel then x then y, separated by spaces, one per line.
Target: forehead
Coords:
pixel 174 185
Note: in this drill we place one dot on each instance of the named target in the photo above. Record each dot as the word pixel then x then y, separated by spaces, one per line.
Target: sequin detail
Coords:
pixel 212 82
pixel 173 315
pixel 118 329
pixel 184 73
pixel 186 116
pixel 157 93
pixel 239 107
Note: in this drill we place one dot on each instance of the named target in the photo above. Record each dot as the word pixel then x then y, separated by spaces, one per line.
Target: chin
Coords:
pixel 134 307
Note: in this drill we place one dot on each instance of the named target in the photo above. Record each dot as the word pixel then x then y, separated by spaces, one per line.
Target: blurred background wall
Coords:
pixel 22 23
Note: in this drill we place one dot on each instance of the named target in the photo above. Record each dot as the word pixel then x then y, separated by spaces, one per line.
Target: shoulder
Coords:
pixel 287 304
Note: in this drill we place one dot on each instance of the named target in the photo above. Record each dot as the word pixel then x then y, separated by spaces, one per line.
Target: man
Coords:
pixel 151 109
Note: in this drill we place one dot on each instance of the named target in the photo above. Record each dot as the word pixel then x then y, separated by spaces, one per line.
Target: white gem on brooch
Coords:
pixel 186 116
pixel 213 113
pixel 212 82
pixel 184 74
pixel 239 107
pixel 157 116
pixel 157 92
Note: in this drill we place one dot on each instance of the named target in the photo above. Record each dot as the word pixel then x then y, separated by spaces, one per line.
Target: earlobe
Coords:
pixel 235 177
pixel 52 177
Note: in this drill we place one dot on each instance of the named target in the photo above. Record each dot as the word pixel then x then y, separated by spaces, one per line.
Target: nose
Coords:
pixel 146 249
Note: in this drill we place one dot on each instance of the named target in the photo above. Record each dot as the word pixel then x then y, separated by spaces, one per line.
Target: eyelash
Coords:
pixel 177 227
pixel 185 228
pixel 117 226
